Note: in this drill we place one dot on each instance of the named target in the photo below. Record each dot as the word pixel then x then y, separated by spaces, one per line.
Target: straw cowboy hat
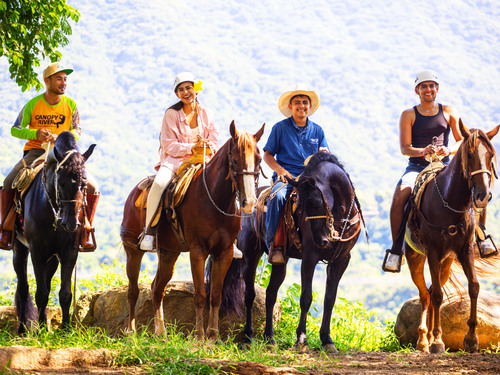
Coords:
pixel 300 89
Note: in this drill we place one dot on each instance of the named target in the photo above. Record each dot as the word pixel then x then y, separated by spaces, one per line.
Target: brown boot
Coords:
pixel 87 242
pixel 276 256
pixel 7 219
pixel 276 252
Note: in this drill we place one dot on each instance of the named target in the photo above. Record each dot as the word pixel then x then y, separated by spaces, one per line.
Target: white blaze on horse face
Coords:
pixel 482 200
pixel 249 182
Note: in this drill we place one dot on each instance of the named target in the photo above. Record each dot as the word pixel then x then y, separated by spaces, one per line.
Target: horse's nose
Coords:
pixel 481 198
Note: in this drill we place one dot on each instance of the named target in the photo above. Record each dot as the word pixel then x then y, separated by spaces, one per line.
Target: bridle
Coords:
pixel 233 173
pixel 58 202
pixel 330 221
pixel 470 186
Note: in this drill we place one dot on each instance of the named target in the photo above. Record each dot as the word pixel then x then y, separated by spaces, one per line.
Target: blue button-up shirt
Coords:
pixel 291 144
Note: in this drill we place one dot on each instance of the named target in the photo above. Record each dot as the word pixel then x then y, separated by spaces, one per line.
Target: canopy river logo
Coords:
pixel 50 120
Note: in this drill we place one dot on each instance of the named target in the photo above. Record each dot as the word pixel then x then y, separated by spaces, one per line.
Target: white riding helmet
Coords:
pixel 426 75
pixel 184 77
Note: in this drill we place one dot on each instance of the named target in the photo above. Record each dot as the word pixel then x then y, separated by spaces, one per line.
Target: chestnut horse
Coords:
pixel 328 222
pixel 210 221
pixel 444 229
pixel 52 229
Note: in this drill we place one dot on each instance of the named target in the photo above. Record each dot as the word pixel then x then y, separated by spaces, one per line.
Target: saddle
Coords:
pixel 416 220
pixel 292 237
pixel 174 192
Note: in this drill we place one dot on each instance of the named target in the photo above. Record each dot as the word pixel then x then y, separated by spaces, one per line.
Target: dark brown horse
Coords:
pixel 51 230
pixel 210 222
pixel 444 230
pixel 328 222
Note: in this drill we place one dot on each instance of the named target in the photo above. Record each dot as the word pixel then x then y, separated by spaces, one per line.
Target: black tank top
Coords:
pixel 425 128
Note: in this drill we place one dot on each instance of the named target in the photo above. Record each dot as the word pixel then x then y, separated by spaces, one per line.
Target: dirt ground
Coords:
pixel 28 360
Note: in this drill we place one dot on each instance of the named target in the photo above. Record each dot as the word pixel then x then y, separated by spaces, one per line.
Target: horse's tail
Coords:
pixel 31 312
pixel 486 268
pixel 233 288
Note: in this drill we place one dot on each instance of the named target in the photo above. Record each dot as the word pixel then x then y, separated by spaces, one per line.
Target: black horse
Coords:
pixel 50 230
pixel 328 221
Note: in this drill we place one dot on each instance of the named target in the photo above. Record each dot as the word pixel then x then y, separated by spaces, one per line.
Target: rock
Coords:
pixel 109 309
pixel 454 316
pixel 8 318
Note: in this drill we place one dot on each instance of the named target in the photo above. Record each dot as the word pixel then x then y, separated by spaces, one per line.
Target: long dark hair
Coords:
pixel 177 106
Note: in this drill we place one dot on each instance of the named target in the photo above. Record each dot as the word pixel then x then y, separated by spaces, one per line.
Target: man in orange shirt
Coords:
pixel 41 120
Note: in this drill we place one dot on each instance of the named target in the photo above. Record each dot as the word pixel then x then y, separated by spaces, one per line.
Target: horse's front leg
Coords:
pixel 133 267
pixel 68 262
pixel 278 273
pixel 251 257
pixel 42 292
pixel 334 273
pixel 26 311
pixel 198 259
pixel 166 263
pixel 416 263
pixel 219 270
pixel 307 273
pixel 471 341
pixel 437 345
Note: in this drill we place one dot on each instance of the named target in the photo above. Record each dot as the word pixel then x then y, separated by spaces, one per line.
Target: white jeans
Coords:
pixel 161 181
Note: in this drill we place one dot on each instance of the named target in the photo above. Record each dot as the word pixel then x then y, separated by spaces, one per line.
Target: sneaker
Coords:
pixel 147 243
pixel 392 263
pixel 486 249
pixel 237 254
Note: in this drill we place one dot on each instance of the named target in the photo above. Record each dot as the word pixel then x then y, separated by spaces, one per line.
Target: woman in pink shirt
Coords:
pixel 185 124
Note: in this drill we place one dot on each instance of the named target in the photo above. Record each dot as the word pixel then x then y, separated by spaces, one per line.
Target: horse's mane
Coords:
pixel 319 158
pixel 75 164
pixel 470 145
pixel 246 142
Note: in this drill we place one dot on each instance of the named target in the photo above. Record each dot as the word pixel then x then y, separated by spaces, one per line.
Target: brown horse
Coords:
pixel 444 230
pixel 210 222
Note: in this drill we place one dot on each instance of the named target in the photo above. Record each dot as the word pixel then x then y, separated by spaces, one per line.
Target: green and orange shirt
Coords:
pixel 38 114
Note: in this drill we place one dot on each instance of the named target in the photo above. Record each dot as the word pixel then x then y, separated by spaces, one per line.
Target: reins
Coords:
pixel 58 202
pixel 232 174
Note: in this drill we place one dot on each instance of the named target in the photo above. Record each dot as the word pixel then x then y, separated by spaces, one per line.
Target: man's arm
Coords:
pixel 275 166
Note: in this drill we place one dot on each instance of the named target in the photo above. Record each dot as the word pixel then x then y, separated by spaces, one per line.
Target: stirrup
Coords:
pixel 481 251
pixel 384 267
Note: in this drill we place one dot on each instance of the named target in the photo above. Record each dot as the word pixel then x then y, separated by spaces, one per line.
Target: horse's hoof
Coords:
pixel 423 348
pixel 471 345
pixel 330 348
pixel 301 348
pixel 437 348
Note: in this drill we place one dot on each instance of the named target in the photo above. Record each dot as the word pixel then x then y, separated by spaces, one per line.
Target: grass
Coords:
pixel 353 328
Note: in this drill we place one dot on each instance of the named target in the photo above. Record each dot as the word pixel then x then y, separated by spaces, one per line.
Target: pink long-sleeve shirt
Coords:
pixel 177 138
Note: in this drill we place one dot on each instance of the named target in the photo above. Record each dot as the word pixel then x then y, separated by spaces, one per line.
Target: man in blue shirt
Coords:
pixel 291 141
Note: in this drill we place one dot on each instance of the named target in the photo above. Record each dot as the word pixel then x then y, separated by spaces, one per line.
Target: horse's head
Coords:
pixel 66 171
pixel 244 165
pixel 479 162
pixel 324 190
pixel 313 204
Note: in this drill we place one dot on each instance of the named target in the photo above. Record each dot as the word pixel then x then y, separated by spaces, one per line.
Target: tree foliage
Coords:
pixel 31 30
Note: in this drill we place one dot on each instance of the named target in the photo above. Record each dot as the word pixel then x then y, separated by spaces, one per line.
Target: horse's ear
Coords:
pixel 292 181
pixel 493 132
pixel 463 129
pixel 258 135
pixel 89 152
pixel 232 130
pixel 58 154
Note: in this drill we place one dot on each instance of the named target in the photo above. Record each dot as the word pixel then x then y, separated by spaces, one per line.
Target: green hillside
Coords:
pixel 361 57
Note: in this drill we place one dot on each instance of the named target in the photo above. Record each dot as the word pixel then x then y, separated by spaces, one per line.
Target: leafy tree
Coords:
pixel 31 30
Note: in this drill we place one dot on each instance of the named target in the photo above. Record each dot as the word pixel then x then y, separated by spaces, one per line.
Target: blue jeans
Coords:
pixel 410 175
pixel 274 209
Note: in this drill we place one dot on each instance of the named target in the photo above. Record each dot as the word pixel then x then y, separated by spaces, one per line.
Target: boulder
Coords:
pixel 9 321
pixel 454 315
pixel 109 309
